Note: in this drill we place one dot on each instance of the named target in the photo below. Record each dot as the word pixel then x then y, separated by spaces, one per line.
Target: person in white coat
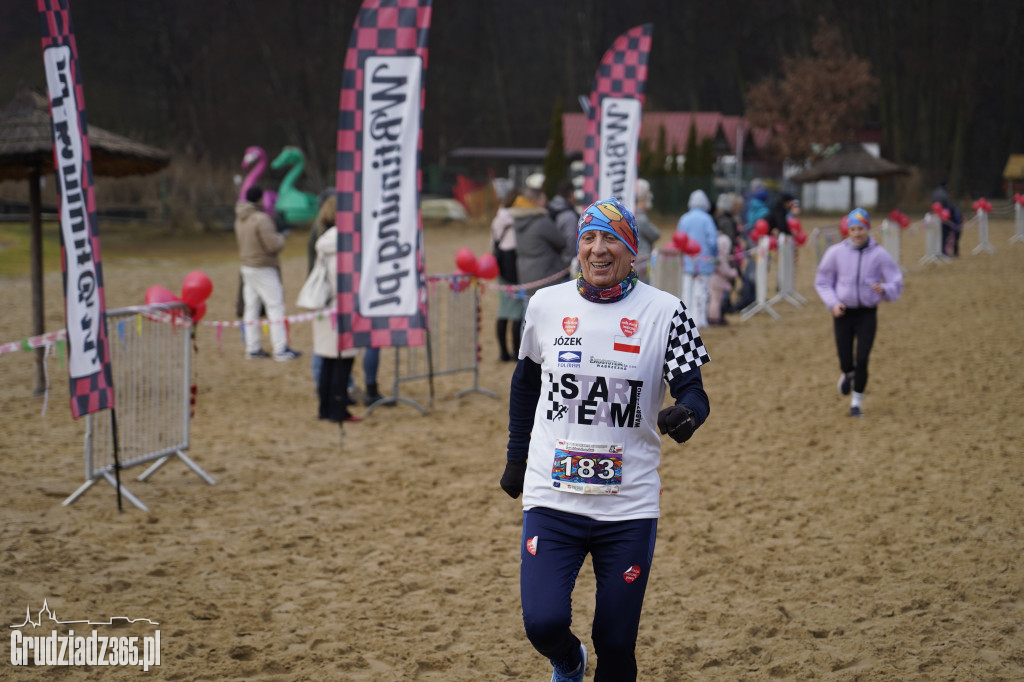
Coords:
pixel 336 365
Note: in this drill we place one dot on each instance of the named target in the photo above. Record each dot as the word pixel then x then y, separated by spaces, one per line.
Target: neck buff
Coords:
pixel 609 295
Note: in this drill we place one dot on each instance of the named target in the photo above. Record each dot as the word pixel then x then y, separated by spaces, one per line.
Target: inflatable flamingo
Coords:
pixel 255 161
pixel 296 206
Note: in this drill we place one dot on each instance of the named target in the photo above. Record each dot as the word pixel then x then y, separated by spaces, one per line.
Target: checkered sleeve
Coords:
pixel 685 350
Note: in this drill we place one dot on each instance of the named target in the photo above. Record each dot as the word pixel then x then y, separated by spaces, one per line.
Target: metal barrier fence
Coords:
pixel 151 366
pixel 453 340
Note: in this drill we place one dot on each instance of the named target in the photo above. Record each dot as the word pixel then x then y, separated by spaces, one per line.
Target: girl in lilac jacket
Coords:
pixel 854 276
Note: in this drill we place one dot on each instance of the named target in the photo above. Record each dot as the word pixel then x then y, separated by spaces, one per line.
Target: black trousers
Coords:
pixel 855 334
pixel 332 388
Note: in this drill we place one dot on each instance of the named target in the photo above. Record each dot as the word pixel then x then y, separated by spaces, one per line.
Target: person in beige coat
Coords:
pixel 335 365
pixel 259 242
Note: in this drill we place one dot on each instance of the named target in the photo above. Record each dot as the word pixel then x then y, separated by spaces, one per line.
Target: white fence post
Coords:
pixel 786 253
pixel 1018 222
pixel 892 237
pixel 983 243
pixel 761 282
pixel 933 240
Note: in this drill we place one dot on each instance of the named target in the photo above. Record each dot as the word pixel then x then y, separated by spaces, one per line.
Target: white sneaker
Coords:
pixel 576 676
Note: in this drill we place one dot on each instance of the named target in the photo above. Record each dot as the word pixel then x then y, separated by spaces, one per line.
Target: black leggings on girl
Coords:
pixel 856 327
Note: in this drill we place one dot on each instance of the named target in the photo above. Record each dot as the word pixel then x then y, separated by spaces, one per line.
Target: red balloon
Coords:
pixel 944 213
pixel 460 281
pixel 196 288
pixel 937 208
pixel 680 240
pixel 761 228
pixel 197 312
pixel 465 260
pixel 843 229
pixel 794 224
pixel 692 248
pixel 800 238
pixel 773 243
pixel 487 266
pixel 159 294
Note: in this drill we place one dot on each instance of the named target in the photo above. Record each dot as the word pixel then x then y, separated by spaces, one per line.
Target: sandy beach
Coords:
pixel 795 542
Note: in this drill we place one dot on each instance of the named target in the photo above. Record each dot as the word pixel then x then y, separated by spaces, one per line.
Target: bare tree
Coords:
pixel 820 99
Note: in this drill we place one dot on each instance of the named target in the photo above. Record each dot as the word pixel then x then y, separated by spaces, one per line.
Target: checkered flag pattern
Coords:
pixel 382 28
pixel 685 347
pixel 96 391
pixel 622 73
pixel 554 410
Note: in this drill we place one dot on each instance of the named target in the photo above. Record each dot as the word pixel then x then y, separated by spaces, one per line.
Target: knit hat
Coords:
pixel 535 181
pixel 609 215
pixel 254 194
pixel 858 216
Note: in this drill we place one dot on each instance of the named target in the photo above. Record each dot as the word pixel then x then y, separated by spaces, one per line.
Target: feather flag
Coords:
pixel 613 119
pixel 381 281
pixel 92 387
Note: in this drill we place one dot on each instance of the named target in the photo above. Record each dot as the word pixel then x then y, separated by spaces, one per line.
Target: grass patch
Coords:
pixel 118 241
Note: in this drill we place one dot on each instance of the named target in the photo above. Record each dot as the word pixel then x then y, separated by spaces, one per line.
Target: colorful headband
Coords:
pixel 609 215
pixel 858 216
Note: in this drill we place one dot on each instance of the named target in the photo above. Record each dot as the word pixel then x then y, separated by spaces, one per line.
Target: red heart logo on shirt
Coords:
pixel 628 326
pixel 569 324
pixel 632 574
pixel 531 545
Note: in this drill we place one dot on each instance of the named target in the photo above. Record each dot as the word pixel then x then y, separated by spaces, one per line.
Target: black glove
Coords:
pixel 678 422
pixel 512 479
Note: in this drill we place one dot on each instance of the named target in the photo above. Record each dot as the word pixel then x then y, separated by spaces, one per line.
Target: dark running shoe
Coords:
pixel 256 355
pixel 844 383
pixel 855 412
pixel 287 354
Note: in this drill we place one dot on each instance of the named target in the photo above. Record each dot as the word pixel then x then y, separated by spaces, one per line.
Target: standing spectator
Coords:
pixel 756 208
pixel 259 243
pixel 724 274
pixel 854 276
pixel 647 231
pixel 335 364
pixel 583 447
pixel 954 225
pixel 778 215
pixel 699 226
pixel 539 243
pixel 511 304
pixel 561 210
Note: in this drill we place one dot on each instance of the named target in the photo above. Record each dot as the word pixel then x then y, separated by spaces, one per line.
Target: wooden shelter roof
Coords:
pixel 26 142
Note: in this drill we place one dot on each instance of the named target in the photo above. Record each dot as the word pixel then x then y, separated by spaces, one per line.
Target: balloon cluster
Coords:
pixel 797 230
pixel 760 229
pixel 982 204
pixel 938 210
pixel 195 289
pixel 682 241
pixel 466 263
pixel 1018 199
pixel 900 218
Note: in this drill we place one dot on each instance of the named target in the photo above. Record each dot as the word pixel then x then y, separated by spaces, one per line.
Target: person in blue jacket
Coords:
pixel 698 225
pixel 854 276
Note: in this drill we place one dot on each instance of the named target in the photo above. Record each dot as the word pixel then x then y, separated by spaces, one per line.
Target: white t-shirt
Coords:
pixel 595 448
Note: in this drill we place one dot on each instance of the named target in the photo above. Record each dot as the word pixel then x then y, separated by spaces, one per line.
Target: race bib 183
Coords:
pixel 587 468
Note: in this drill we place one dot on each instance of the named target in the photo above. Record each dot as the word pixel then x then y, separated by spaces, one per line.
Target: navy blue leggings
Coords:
pixel 554 546
pixel 856 324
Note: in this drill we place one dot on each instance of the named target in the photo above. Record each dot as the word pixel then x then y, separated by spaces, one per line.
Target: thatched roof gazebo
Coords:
pixel 851 159
pixel 26 153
